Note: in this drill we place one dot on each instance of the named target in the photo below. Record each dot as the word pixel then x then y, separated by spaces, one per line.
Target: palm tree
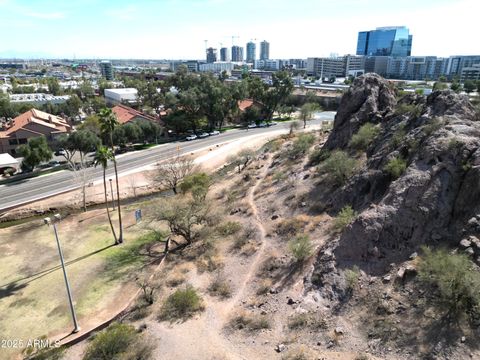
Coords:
pixel 108 122
pixel 102 156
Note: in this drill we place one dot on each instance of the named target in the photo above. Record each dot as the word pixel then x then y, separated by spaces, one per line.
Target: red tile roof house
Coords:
pixel 126 114
pixel 30 124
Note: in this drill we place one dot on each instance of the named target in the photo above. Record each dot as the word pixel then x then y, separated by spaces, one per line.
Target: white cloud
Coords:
pixel 126 13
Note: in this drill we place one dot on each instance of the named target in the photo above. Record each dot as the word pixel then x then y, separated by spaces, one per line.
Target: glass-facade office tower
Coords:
pixel 106 69
pixel 385 41
pixel 251 52
pixel 237 53
pixel 264 50
pixel 224 54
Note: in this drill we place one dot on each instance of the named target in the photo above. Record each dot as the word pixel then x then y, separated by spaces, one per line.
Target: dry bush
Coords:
pixel 264 287
pixel 220 287
pixel 250 322
pixel 291 226
pixel 313 320
pixel 175 279
pixel 182 304
pixel 209 261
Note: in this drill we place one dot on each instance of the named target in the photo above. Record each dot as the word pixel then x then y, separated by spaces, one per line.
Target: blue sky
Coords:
pixel 177 28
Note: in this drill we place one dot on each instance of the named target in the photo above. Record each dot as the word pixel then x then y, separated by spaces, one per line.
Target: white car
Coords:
pixel 251 126
pixel 191 137
pixel 262 125
pixel 215 132
pixel 203 135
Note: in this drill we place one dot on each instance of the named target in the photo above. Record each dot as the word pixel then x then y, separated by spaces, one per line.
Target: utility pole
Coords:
pixel 48 221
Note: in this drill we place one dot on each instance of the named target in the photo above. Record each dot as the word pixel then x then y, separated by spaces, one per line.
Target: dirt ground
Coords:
pixel 264 281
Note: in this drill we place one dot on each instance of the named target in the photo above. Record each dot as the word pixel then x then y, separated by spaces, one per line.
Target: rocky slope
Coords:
pixel 436 198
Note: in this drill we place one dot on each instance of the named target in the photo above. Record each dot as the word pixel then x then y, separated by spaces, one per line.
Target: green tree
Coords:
pixel 469 86
pixel 102 157
pixel 455 86
pixel 91 123
pixel 34 152
pixel 197 184
pixel 53 86
pixel 282 87
pixel 364 136
pixel 108 123
pixel 306 112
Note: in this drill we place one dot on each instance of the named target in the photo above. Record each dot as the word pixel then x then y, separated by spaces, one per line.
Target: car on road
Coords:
pixel 215 132
pixel 61 152
pixel 251 126
pixel 272 123
pixel 262 125
pixel 54 163
pixel 203 135
pixel 191 137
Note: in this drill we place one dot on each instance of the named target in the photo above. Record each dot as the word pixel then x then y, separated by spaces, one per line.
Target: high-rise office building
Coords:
pixel 211 55
pixel 385 41
pixel 106 69
pixel 224 54
pixel 264 50
pixel 237 53
pixel 251 52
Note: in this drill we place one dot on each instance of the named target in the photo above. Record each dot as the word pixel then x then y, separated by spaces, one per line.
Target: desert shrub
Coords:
pixel 385 329
pixel 229 228
pixel 455 282
pixel 175 279
pixel 300 146
pixel 251 322
pixel 197 184
pixel 249 233
pixel 414 110
pixel 351 277
pixel 264 287
pixel 219 287
pixel 364 136
pixel 118 341
pixel 301 247
pixel 398 136
pixel 271 146
pixel 317 156
pixel 395 167
pixel 182 304
pixel 361 357
pixel 339 167
pixel 290 226
pixel 344 217
pixel 312 320
pixel 432 126
pixel 279 176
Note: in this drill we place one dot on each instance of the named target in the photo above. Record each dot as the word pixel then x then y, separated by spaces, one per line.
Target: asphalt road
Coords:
pixel 30 190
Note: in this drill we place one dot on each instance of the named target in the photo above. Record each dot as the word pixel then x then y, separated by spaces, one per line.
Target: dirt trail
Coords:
pixel 205 337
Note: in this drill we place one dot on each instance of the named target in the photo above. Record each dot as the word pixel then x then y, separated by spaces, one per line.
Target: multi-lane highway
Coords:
pixel 37 188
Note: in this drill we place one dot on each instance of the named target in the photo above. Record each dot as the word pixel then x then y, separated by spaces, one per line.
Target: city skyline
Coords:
pixel 167 30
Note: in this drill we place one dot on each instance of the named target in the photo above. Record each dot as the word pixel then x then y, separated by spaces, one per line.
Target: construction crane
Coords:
pixel 206 45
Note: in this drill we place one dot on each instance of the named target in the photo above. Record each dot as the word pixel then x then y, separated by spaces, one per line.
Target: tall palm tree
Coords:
pixel 108 122
pixel 102 156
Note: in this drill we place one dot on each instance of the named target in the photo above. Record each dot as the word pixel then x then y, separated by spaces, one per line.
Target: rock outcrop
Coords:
pixel 433 200
pixel 370 99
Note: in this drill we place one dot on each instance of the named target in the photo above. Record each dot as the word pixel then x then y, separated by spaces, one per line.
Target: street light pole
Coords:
pixel 111 191
pixel 76 328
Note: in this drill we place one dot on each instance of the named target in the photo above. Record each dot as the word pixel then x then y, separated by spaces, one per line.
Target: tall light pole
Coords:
pixel 111 191
pixel 48 221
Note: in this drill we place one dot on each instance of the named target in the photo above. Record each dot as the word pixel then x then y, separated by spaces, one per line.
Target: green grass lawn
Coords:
pixel 33 299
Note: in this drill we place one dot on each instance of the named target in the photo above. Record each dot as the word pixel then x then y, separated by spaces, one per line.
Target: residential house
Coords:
pixel 30 124
pixel 127 114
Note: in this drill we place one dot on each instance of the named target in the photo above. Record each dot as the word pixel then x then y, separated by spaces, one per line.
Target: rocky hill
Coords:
pixel 436 197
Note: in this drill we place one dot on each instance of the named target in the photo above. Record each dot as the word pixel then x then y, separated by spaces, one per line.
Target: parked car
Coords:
pixel 191 137
pixel 251 126
pixel 272 123
pixel 203 135
pixel 61 152
pixel 53 163
pixel 262 125
pixel 215 132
